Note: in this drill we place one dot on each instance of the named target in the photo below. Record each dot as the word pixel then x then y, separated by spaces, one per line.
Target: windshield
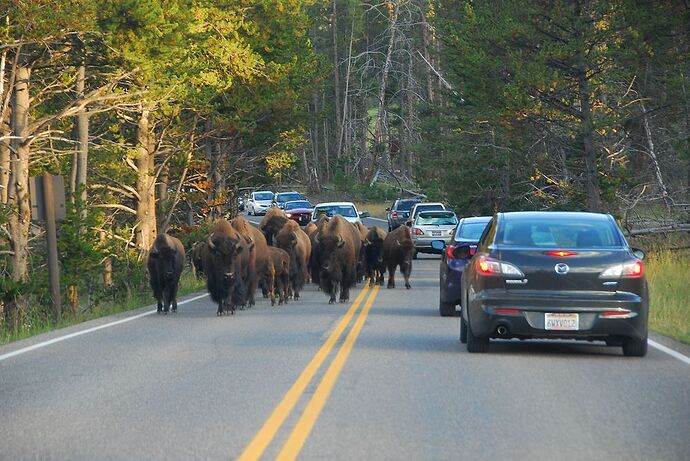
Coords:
pixel 297 204
pixel 560 234
pixel 406 205
pixel 263 196
pixel 347 211
pixel 421 208
pixel 437 219
pixel 471 231
pixel 288 197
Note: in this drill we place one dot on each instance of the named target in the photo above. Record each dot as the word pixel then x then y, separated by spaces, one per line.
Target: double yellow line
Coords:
pixel 302 429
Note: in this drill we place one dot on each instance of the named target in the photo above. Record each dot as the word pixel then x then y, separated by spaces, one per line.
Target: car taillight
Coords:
pixel 488 266
pixel 395 215
pixel 449 252
pixel 417 231
pixel 630 269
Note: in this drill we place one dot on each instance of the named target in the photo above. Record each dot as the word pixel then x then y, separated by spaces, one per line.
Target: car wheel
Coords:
pixel 633 347
pixel 446 309
pixel 475 344
pixel 463 331
pixel 414 256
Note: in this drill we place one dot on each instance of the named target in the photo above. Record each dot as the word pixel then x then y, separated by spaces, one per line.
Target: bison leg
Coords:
pixel 391 276
pixel 344 293
pixel 220 309
pixel 406 269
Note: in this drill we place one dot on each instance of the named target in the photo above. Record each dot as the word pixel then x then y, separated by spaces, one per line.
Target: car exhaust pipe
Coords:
pixel 502 330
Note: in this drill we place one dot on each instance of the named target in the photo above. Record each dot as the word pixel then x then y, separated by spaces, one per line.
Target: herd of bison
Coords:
pixel 280 257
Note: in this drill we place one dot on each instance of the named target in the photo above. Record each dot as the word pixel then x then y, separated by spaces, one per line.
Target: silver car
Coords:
pixel 432 225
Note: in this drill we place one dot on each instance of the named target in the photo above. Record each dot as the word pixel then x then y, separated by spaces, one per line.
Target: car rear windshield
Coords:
pixel 406 205
pixel 437 219
pixel 287 197
pixel 559 234
pixel 297 204
pixel 421 208
pixel 471 231
pixel 263 196
pixel 342 210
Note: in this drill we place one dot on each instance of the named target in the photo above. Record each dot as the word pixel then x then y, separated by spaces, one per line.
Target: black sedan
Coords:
pixel 554 275
pixel 299 210
pixel 467 232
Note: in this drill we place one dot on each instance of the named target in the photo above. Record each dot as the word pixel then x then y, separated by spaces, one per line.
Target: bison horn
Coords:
pixel 316 238
pixel 211 245
pixel 398 242
pixel 341 242
pixel 366 242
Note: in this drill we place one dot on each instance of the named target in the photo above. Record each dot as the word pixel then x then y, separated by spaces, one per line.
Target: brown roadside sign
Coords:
pixel 36 191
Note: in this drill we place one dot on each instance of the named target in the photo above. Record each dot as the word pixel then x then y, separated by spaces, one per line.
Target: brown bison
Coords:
pixel 398 250
pixel 314 267
pixel 227 266
pixel 271 224
pixel 263 270
pixel 374 265
pixel 310 229
pixel 165 263
pixel 281 266
pixel 338 245
pixel 296 243
pixel 199 253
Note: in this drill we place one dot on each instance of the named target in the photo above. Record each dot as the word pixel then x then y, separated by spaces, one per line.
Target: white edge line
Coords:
pixel 90 330
pixel 669 351
pixel 377 219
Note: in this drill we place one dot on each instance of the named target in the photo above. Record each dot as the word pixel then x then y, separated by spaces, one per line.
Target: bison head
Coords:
pixel 164 257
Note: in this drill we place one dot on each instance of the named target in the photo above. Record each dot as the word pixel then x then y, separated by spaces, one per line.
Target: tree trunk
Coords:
pixel 18 198
pixel 592 187
pixel 146 206
pixel 381 146
pixel 4 131
pixel 214 175
pixel 341 122
pixel 83 136
pixel 652 155
pixel 336 73
pixel 426 40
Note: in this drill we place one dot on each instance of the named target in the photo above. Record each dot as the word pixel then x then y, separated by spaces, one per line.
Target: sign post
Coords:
pixel 48 197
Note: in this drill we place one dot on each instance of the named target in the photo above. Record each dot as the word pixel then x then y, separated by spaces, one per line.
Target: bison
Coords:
pixel 398 250
pixel 271 224
pixel 199 254
pixel 263 271
pixel 338 245
pixel 296 243
pixel 314 267
pixel 281 266
pixel 310 229
pixel 165 263
pixel 227 266
pixel 374 265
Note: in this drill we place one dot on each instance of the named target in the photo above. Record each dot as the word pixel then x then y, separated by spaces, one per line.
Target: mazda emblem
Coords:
pixel 562 268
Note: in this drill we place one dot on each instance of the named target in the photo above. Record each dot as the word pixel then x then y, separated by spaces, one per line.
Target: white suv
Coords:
pixel 347 210
pixel 259 202
pixel 424 206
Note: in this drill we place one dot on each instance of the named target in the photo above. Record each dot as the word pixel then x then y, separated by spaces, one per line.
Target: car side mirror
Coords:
pixel 364 214
pixel 388 209
pixel 639 254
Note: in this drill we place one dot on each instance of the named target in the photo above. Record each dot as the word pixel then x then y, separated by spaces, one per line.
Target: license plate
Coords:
pixel 561 321
pixel 435 233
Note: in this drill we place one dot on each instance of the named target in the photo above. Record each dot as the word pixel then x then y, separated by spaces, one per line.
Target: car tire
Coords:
pixel 475 344
pixel 633 347
pixel 414 255
pixel 463 331
pixel 446 309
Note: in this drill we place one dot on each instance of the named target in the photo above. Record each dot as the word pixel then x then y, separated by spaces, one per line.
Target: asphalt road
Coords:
pixel 395 384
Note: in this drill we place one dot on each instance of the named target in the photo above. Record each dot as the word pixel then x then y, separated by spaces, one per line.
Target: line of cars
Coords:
pixel 298 208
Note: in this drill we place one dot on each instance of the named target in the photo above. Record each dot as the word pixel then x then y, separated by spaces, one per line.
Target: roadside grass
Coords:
pixel 669 292
pixel 36 324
